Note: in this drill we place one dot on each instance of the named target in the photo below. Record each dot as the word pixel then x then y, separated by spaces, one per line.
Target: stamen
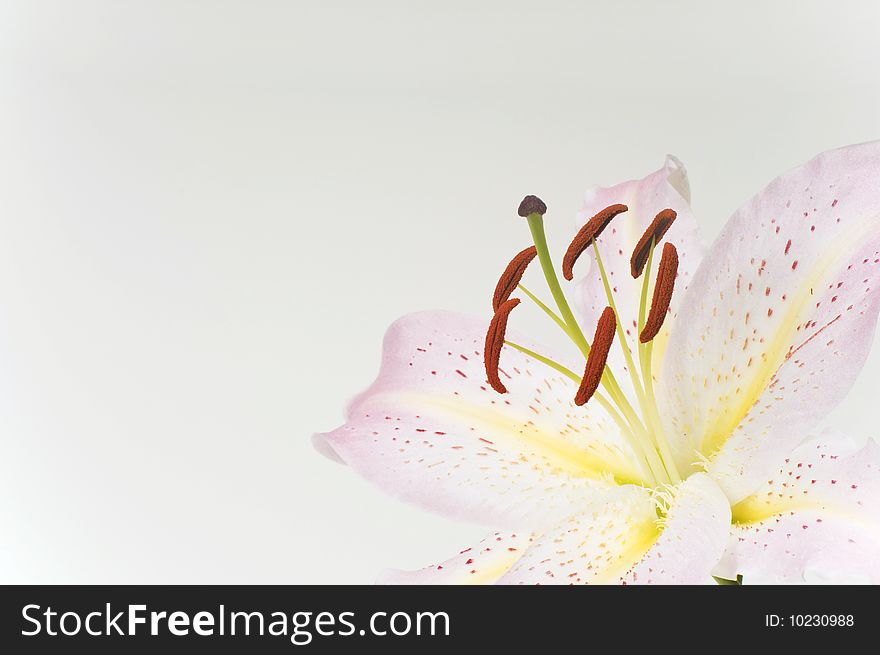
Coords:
pixel 625 428
pixel 663 288
pixel 495 341
pixel 512 275
pixel 658 227
pixel 572 328
pixel 531 205
pixel 592 229
pixel 598 357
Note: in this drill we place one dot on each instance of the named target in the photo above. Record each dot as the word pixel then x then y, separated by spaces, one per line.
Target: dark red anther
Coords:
pixel 512 275
pixel 495 341
pixel 663 288
pixel 658 227
pixel 591 229
pixel 598 357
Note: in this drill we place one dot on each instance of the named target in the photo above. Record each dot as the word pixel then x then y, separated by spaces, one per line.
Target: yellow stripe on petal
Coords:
pixel 817 513
pixel 583 451
pixel 622 540
pixel 634 544
pixel 754 510
pixel 490 574
pixel 735 411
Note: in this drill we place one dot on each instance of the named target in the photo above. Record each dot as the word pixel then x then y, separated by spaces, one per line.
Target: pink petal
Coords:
pixel 431 431
pixel 665 188
pixel 621 542
pixel 483 563
pixel 780 317
pixel 817 512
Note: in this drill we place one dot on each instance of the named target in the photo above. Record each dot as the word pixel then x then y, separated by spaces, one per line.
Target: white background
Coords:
pixel 210 211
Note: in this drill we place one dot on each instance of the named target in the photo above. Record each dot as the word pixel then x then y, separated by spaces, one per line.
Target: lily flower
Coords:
pixel 683 445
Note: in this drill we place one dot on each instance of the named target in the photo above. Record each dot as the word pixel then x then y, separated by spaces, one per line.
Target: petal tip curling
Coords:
pixel 676 175
pixel 323 446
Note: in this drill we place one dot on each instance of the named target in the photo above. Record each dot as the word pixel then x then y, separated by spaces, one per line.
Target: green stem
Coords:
pixel 726 582
pixel 643 301
pixel 657 426
pixel 545 308
pixel 536 226
pixel 567 372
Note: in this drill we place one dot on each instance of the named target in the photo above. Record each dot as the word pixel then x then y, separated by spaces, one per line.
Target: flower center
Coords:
pixel 642 426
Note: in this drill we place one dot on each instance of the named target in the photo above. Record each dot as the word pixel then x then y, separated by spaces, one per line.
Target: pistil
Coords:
pixel 536 226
